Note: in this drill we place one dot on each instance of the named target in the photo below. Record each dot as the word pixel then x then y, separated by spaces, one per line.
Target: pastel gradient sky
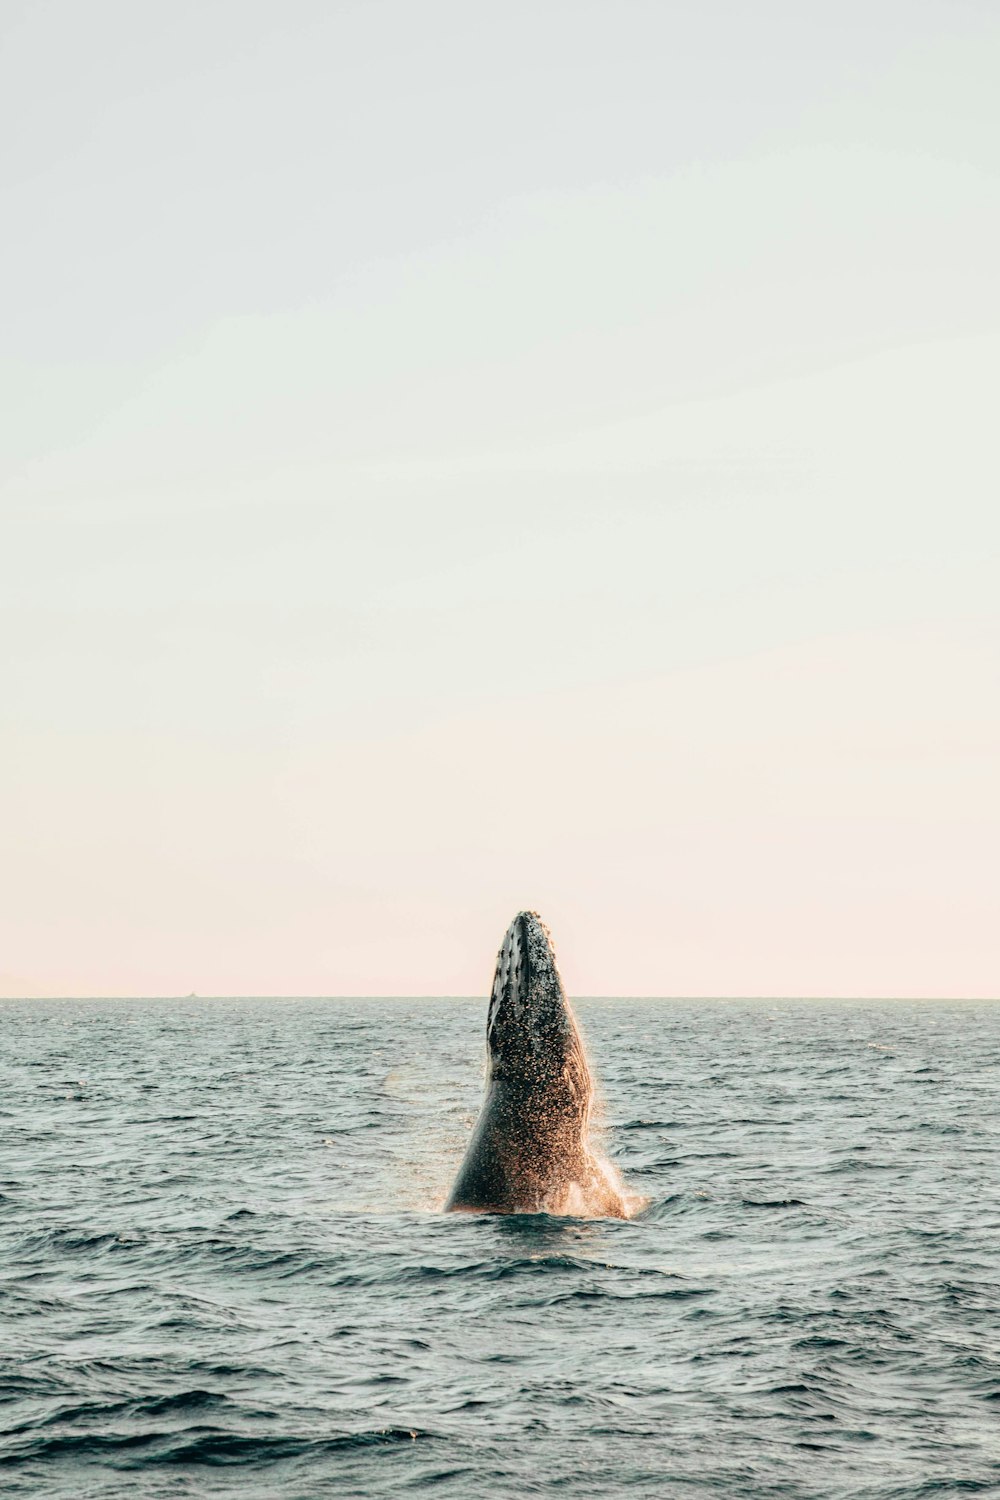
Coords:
pixel 464 457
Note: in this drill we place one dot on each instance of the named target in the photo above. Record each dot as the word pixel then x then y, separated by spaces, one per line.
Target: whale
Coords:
pixel 531 1149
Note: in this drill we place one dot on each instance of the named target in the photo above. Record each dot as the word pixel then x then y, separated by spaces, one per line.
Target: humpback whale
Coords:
pixel 530 1150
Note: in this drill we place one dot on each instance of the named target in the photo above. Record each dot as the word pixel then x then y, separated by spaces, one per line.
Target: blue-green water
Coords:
pixel 224 1272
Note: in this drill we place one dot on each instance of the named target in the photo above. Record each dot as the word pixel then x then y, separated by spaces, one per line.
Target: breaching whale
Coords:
pixel 530 1150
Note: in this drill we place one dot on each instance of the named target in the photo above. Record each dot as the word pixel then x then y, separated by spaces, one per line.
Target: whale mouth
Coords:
pixel 531 1034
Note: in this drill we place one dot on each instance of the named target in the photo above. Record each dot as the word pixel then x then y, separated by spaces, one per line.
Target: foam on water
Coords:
pixel 223 1269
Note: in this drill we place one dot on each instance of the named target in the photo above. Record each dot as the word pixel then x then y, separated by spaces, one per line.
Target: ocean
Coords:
pixel 224 1269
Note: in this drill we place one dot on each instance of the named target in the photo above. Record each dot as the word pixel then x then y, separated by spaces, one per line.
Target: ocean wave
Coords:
pixel 195 1304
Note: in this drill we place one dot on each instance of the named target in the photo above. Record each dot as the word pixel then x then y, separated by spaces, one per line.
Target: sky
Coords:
pixel 463 458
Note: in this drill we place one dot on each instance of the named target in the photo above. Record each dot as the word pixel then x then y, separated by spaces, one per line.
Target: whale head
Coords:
pixel 531 1033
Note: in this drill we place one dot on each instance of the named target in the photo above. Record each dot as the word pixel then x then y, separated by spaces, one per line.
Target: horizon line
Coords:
pixel 195 995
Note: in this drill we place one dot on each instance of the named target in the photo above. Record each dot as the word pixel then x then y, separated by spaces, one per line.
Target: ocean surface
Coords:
pixel 224 1269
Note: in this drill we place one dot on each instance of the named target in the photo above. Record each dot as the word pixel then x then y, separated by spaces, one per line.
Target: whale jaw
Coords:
pixel 531 1033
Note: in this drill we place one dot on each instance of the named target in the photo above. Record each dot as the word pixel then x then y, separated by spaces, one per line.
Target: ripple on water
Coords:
pixel 220 1274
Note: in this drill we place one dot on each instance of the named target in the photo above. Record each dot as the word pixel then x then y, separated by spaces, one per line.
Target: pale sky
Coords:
pixel 459 458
